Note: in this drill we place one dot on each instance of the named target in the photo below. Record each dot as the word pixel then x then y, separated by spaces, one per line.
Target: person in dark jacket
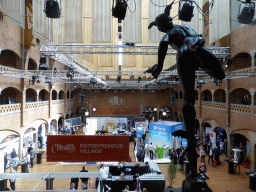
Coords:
pixel 174 157
pixel 84 180
pixel 75 181
pixel 181 160
pixel 216 153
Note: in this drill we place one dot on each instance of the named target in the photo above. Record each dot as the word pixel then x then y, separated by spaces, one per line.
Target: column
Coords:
pixel 229 141
pixel 252 92
pixel 212 91
pixel 201 129
pixel 252 156
pixel 50 101
pixel 22 130
pixel 23 102
pixel 252 53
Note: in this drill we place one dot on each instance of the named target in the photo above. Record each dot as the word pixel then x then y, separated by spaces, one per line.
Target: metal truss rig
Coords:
pixel 53 49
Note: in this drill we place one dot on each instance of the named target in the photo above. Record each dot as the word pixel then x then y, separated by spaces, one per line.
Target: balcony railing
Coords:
pixel 43 104
pixel 32 105
pixel 240 108
pixel 216 105
pixel 10 108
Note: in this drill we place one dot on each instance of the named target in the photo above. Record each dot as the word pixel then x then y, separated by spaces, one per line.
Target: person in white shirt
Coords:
pixel 210 156
pixel 27 161
pixel 15 163
pixel 150 147
pixel 202 155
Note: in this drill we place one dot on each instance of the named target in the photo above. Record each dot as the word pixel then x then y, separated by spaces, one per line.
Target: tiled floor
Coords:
pixel 220 180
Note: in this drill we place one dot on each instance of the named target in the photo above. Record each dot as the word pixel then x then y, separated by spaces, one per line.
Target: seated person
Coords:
pixel 126 189
pixel 202 169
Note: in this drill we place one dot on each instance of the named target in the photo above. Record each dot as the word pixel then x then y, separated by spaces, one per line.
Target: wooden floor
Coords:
pixel 220 180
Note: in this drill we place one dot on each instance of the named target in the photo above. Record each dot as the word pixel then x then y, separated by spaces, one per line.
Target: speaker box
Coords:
pixel 119 11
pixel 52 9
pixel 186 13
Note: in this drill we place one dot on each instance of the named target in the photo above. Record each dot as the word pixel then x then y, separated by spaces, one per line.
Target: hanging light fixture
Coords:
pixel 94 108
pixel 70 73
pixel 42 65
pixel 52 8
pixel 164 113
pixel 246 12
pixel 119 11
pixel 155 109
pixel 186 10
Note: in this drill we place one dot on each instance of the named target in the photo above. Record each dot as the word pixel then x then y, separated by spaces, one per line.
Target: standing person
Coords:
pixel 216 153
pixel 174 157
pixel 77 130
pixel 72 186
pixel 181 161
pixel 84 180
pixel 84 186
pixel 74 181
pixel 30 148
pixel 210 154
pixel 5 161
pixel 238 162
pixel 143 155
pixel 138 185
pixel 202 155
pixel 27 161
pixel 13 153
pixel 150 147
pixel 134 142
pixel 40 139
pixel 32 156
pixel 15 163
pixel 12 181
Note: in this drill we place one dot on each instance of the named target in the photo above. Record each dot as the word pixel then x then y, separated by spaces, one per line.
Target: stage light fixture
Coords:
pixel 119 11
pixel 93 81
pixel 42 65
pixel 246 12
pixel 139 79
pixel 52 8
pixel 48 80
pixel 118 79
pixel 70 72
pixel 186 9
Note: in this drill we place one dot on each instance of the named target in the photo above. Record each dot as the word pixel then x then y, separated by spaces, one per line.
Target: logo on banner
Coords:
pixel 58 147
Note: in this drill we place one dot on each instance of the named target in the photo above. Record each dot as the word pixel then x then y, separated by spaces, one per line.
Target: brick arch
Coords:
pixel 12 92
pixel 237 94
pixel 219 95
pixel 10 58
pixel 206 95
pixel 214 123
pixel 31 95
pixel 240 61
pixel 32 65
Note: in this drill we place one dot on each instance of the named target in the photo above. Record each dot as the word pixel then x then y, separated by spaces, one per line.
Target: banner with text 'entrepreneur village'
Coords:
pixel 90 148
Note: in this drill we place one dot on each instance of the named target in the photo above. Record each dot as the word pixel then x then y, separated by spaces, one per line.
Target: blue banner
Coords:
pixel 160 132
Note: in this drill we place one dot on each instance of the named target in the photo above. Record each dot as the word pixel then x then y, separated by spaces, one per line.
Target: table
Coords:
pixel 39 157
pixel 236 152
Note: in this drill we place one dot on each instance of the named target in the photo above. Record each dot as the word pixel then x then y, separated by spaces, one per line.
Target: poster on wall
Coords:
pixel 101 123
pixel 84 148
pixel 91 126
pixel 212 136
pixel 121 123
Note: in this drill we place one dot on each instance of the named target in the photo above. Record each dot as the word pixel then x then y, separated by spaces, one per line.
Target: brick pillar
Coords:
pixel 253 156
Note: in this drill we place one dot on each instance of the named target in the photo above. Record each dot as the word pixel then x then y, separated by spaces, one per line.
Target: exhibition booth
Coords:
pixel 160 134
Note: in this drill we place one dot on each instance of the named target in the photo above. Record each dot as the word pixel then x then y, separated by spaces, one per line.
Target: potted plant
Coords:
pixel 172 170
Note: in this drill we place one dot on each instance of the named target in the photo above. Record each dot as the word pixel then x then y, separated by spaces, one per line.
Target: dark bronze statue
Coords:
pixel 191 54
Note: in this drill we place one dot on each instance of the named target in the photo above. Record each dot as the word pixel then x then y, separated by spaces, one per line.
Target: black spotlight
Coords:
pixel 118 79
pixel 70 72
pixel 139 79
pixel 42 65
pixel 52 9
pixel 93 81
pixel 119 11
pixel 186 10
pixel 48 80
pixel 246 12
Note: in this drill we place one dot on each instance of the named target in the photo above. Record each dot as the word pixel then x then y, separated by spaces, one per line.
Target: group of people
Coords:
pixel 178 156
pixel 213 154
pixel 63 130
pixel 74 181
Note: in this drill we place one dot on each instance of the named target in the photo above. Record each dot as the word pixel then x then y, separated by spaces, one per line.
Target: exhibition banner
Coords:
pixel 83 148
pixel 160 132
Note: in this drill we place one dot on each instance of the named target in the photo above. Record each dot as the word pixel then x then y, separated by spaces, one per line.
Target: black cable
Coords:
pixel 129 7
pixel 158 5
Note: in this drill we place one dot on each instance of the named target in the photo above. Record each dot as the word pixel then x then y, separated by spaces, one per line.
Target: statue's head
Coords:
pixel 163 21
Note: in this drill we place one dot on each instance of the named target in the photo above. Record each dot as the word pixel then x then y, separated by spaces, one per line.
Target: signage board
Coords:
pixel 83 148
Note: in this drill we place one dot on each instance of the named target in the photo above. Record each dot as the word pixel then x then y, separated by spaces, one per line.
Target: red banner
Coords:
pixel 90 148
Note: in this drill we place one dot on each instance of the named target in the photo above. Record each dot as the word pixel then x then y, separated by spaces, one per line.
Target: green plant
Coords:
pixel 172 170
